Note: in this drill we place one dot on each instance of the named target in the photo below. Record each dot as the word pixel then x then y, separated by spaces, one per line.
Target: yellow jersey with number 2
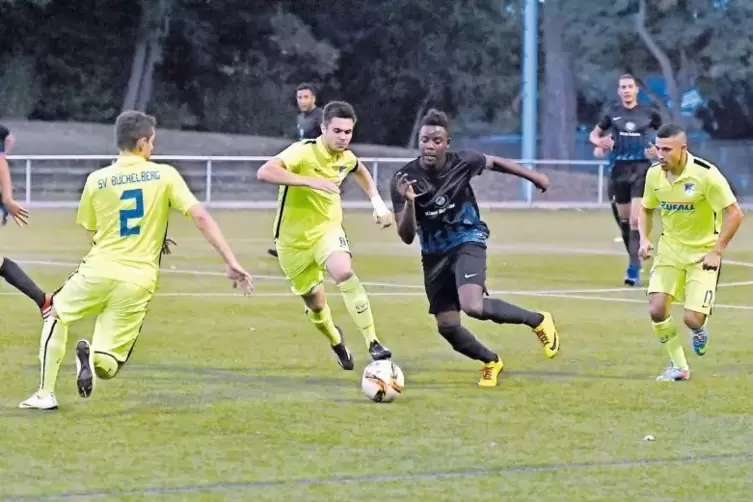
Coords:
pixel 127 206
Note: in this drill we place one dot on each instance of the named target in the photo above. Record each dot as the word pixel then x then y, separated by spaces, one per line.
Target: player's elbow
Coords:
pixel 199 215
pixel 263 173
pixel 268 172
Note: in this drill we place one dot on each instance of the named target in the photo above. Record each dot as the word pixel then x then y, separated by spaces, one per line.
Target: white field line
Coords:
pixel 384 284
pixel 572 294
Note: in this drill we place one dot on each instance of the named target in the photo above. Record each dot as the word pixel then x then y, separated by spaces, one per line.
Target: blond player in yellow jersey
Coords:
pixel 699 216
pixel 308 229
pixel 125 209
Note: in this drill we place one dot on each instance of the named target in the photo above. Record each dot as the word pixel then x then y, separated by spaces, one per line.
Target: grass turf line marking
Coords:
pixel 394 478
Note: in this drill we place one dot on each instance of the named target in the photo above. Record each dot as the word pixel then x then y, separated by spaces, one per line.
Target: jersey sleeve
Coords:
pixel 476 161
pixel 650 200
pixel 655 120
pixel 351 161
pixel 181 197
pixel 718 192
pixel 293 156
pixel 4 133
pixel 605 123
pixel 398 201
pixel 86 216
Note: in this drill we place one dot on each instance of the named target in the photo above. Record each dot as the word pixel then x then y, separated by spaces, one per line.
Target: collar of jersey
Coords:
pixel 130 158
pixel 686 173
pixel 323 149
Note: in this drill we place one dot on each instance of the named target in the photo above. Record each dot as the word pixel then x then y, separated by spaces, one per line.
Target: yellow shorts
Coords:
pixel 304 268
pixel 684 281
pixel 120 308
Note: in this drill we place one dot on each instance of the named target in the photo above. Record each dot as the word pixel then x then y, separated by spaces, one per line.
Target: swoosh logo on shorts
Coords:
pixel 468 276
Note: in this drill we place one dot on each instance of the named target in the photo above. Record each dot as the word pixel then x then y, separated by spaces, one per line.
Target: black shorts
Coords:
pixel 628 180
pixel 445 273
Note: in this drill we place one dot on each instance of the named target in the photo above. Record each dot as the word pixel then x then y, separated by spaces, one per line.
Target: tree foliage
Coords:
pixel 232 65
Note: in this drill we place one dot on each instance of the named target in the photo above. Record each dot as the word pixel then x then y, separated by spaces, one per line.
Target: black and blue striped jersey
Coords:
pixel 630 129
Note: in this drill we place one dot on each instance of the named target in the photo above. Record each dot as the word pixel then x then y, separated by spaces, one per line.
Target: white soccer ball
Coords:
pixel 382 381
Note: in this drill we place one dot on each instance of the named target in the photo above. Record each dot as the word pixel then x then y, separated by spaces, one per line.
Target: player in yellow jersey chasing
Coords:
pixel 125 208
pixel 699 216
pixel 308 229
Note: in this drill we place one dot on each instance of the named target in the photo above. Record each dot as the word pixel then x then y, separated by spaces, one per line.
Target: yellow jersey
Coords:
pixel 691 206
pixel 305 215
pixel 127 207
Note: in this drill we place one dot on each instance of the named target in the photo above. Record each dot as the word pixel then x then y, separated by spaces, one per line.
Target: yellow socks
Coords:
pixel 51 352
pixel 322 321
pixel 357 302
pixel 667 333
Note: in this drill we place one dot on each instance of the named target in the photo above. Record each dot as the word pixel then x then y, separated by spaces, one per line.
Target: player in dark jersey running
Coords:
pixel 9 270
pixel 432 197
pixel 628 155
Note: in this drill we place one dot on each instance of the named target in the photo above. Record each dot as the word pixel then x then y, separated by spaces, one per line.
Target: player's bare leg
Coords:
pixel 320 316
pixel 696 321
pixel 666 330
pixel 340 267
pixel 473 303
pixel 463 342
pixel 633 274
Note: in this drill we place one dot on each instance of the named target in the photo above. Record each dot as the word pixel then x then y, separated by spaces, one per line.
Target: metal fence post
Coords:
pixel 600 190
pixel 208 195
pixel 28 181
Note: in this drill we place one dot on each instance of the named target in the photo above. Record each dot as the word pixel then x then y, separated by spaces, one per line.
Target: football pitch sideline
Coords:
pixel 233 398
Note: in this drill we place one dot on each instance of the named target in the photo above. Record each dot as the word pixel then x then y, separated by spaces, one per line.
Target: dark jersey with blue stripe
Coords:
pixel 447 214
pixel 4 133
pixel 309 124
pixel 630 130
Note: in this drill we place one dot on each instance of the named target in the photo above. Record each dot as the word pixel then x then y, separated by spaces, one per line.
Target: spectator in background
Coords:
pixel 308 122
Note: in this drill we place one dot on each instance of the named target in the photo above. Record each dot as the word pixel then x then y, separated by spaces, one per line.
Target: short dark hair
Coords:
pixel 669 131
pixel 628 76
pixel 4 133
pixel 436 118
pixel 305 86
pixel 131 126
pixel 339 110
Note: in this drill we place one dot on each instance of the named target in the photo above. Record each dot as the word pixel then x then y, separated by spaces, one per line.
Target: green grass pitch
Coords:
pixel 232 398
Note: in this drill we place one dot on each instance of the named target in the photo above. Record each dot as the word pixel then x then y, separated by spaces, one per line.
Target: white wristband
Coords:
pixel 379 206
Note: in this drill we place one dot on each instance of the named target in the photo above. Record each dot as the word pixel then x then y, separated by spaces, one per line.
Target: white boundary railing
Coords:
pixel 210 175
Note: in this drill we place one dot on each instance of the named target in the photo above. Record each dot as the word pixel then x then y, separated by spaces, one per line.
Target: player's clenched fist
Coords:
pixel 646 249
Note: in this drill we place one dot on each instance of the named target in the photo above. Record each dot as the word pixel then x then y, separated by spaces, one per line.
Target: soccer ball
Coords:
pixel 382 381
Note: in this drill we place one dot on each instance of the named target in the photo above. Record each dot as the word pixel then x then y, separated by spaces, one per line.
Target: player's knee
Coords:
pixel 694 320
pixel 105 366
pixel 342 274
pixel 473 307
pixel 453 333
pixel 658 312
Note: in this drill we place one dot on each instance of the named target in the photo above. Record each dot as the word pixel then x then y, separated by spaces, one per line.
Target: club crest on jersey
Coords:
pixel 630 126
pixel 441 201
pixel 689 188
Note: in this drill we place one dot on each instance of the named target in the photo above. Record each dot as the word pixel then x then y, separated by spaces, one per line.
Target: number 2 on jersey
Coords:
pixel 136 195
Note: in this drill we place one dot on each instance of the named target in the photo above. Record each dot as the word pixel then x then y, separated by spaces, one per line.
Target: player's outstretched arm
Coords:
pixel 382 214
pixel 274 171
pixel 502 165
pixel 19 214
pixel 212 233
